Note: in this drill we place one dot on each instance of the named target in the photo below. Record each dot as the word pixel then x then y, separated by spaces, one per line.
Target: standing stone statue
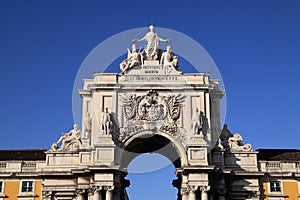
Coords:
pixel 152 40
pixel 169 60
pixel 196 123
pixel 134 58
pixel 199 123
pixel 106 122
pixel 88 126
pixel 224 136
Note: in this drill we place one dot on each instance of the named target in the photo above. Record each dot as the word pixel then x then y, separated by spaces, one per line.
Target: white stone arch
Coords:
pixel 174 145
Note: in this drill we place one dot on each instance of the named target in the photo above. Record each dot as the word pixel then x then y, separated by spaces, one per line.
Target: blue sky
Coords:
pixel 255 45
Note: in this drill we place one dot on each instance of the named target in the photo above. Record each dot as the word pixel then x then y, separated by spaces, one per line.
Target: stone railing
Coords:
pixel 279 166
pixel 3 165
pixel 21 166
pixel 29 166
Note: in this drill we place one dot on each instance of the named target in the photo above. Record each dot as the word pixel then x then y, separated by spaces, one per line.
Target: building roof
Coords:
pixel 34 154
pixel 279 154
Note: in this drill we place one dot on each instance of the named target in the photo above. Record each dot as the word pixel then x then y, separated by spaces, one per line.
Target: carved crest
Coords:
pixel 162 112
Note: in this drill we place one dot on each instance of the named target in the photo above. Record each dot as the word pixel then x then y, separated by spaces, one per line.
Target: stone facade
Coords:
pixel 151 107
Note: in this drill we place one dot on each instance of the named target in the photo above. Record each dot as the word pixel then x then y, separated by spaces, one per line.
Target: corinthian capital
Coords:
pixel 204 188
pixel 192 188
pixel 184 190
pixel 46 194
pixel 92 190
pixel 109 188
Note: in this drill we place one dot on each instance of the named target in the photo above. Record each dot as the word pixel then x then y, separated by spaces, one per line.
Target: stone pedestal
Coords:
pixel 86 143
pixel 63 159
pixel 104 151
pixel 197 151
pixel 241 160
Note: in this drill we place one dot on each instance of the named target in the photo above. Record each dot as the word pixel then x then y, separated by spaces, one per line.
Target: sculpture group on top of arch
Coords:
pixel 151 111
pixel 151 52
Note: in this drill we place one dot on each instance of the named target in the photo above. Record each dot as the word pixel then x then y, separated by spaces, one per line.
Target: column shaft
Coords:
pixel 97 195
pixel 221 197
pixel 109 195
pixel 184 194
pixel 91 196
pixel 192 195
pixel 184 197
pixel 79 196
pixel 204 195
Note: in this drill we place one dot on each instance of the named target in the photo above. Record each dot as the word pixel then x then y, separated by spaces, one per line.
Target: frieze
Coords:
pixel 154 78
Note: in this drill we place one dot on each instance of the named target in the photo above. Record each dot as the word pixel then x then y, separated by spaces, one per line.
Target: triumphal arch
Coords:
pixel 150 106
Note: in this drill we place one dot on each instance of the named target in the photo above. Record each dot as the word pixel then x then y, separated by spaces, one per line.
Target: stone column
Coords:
pixel 221 197
pixel 79 194
pixel 192 192
pixel 184 193
pixel 222 189
pixel 90 196
pixel 46 195
pixel 91 193
pixel 97 195
pixel 204 190
pixel 109 193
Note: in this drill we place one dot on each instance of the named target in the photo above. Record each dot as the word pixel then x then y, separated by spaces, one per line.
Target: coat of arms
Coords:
pixel 163 111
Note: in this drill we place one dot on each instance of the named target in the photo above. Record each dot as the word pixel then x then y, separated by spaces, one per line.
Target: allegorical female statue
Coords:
pixel 152 40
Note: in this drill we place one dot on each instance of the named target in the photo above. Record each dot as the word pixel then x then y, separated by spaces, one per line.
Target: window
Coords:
pixel 275 186
pixel 1 187
pixel 27 186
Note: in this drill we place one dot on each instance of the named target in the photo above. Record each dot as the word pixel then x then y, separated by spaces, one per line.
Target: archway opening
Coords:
pixel 148 180
pixel 151 161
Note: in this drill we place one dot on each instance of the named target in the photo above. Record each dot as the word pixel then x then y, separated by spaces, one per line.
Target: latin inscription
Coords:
pixel 150 78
